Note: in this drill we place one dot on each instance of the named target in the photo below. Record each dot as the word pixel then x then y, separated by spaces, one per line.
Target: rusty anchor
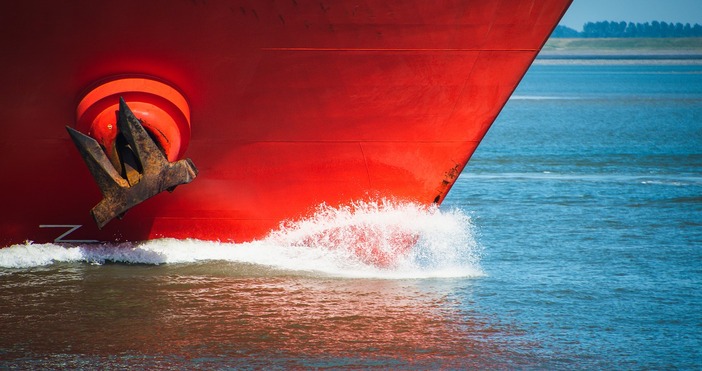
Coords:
pixel 146 171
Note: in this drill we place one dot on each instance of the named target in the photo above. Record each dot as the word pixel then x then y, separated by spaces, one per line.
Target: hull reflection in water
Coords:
pixel 223 314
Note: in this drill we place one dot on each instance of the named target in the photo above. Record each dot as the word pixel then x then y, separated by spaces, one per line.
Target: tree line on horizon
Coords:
pixel 623 29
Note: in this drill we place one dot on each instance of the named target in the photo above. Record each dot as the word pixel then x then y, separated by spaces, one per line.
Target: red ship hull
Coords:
pixel 292 103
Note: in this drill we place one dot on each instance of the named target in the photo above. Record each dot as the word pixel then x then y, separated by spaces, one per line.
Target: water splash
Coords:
pixel 381 239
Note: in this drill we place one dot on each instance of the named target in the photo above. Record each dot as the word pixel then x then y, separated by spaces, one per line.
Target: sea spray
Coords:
pixel 398 238
pixel 383 239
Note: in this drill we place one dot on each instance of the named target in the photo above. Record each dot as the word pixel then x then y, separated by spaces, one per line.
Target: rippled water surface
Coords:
pixel 573 240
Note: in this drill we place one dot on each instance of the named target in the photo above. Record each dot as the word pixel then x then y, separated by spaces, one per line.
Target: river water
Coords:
pixel 573 240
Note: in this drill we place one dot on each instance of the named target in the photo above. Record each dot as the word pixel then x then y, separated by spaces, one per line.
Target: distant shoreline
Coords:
pixel 622 51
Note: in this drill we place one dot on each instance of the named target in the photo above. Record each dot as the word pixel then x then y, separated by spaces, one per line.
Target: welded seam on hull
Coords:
pixel 399 50
pixel 465 84
pixel 365 163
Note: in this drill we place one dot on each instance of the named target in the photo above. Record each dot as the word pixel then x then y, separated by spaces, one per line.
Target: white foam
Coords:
pixel 342 242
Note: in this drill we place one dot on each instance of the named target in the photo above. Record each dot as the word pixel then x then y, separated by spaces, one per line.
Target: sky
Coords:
pixel 637 11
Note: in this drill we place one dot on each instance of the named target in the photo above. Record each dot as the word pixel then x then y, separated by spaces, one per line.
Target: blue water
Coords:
pixel 587 194
pixel 572 240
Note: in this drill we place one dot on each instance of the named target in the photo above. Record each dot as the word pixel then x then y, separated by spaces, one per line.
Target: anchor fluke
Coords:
pixel 121 192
